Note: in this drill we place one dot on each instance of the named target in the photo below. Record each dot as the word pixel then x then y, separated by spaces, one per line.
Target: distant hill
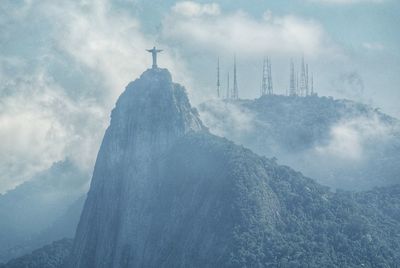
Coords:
pixel 340 143
pixel 31 214
pixel 49 256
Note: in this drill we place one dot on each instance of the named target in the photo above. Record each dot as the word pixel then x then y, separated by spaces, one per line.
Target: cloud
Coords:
pixel 62 67
pixel 110 45
pixel 349 85
pixel 358 151
pixel 63 64
pixel 227 119
pixel 351 139
pixel 376 46
pixel 346 2
pixel 40 124
pixel 345 143
pixel 193 9
pixel 238 32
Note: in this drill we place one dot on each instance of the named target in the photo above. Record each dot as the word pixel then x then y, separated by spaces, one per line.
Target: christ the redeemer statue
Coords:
pixel 154 52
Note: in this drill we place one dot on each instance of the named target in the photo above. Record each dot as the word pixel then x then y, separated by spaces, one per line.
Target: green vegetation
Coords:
pixel 340 143
pixel 236 209
pixel 50 256
pixel 343 229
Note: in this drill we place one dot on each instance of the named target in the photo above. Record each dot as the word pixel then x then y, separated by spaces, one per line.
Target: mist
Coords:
pixel 63 66
pixel 340 144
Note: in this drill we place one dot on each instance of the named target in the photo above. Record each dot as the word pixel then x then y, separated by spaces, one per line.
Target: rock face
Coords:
pixel 136 207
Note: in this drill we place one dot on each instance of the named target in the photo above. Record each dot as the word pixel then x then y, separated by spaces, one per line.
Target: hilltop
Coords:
pixel 340 143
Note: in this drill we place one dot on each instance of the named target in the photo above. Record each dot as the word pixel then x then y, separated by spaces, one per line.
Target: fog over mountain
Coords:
pixel 307 175
pixel 319 136
pixel 66 75
pixel 167 193
pixel 339 143
pixel 44 209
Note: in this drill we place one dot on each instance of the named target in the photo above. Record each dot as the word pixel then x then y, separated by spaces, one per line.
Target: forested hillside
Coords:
pixel 339 143
pixel 301 223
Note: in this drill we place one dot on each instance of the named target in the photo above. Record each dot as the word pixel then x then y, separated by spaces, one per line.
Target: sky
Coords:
pixel 63 64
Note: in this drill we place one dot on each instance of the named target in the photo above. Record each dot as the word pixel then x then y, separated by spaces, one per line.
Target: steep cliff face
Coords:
pixel 148 118
pixel 150 207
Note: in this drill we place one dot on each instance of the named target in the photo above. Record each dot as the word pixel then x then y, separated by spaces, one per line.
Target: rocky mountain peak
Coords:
pixel 149 117
pixel 155 103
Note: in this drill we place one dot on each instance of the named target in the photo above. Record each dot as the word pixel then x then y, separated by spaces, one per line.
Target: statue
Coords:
pixel 154 52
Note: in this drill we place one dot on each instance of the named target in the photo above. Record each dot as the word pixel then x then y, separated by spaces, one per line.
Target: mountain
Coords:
pixel 167 193
pixel 340 143
pixel 65 225
pixel 220 205
pixel 29 212
pixel 148 118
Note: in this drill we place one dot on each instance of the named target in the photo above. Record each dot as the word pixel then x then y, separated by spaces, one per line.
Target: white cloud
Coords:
pixel 373 46
pixel 349 85
pixel 228 119
pixel 238 32
pixel 193 9
pixel 109 44
pixel 345 2
pixel 349 139
pixel 344 143
pixel 40 124
pixel 59 89
pixel 105 47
